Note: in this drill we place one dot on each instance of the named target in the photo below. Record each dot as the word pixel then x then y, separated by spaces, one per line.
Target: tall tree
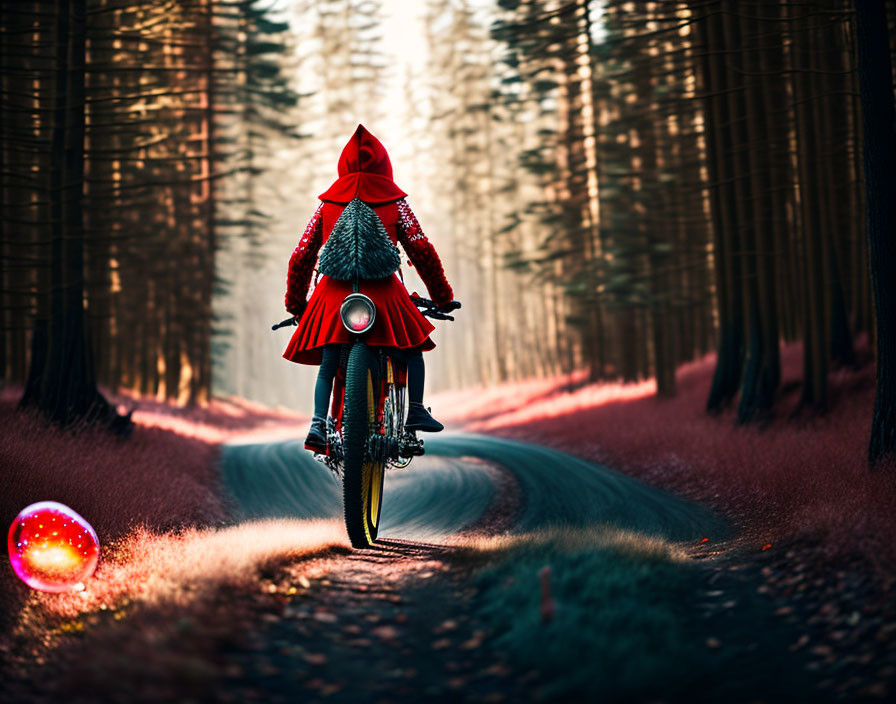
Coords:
pixel 879 132
pixel 62 380
pixel 113 148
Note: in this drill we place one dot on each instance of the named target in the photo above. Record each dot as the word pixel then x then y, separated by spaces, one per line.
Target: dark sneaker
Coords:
pixel 419 419
pixel 317 436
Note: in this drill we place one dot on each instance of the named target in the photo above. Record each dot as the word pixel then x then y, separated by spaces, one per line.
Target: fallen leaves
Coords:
pixel 325 688
pixel 499 669
pixel 317 659
pixel 824 651
pixel 386 633
pixel 474 642
pixel 845 614
pixel 800 643
pixel 445 627
pixel 457 682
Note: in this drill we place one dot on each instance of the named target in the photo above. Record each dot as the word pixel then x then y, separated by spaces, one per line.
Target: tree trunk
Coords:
pixel 726 378
pixel 62 383
pixel 762 373
pixel 832 121
pixel 5 166
pixel 879 129
pixel 814 227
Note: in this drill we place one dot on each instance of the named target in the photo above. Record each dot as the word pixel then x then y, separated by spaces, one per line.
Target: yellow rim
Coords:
pixel 373 470
pixel 375 482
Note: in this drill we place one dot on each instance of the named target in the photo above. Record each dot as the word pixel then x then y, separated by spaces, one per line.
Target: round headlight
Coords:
pixel 357 313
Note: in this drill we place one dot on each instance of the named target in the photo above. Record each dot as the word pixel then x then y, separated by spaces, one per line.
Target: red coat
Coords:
pixel 364 172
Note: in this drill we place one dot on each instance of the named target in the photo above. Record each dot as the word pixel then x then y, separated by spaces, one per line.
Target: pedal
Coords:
pixel 411 445
pixel 332 465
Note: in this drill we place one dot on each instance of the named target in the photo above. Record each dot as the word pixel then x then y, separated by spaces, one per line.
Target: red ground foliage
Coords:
pixel 162 477
pixel 799 477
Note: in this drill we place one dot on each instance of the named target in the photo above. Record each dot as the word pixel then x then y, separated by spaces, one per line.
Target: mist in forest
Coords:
pixel 391 76
pixel 605 188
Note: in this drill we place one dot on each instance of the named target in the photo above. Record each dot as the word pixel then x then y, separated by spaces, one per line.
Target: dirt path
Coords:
pixel 401 622
pixel 389 624
pixel 429 614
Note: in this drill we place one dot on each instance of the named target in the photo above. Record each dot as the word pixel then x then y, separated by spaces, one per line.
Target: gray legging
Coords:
pixel 330 364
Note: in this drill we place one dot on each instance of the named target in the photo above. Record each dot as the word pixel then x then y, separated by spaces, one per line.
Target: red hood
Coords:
pixel 365 172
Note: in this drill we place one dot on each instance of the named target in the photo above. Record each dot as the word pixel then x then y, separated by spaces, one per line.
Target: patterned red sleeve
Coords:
pixel 301 264
pixel 423 255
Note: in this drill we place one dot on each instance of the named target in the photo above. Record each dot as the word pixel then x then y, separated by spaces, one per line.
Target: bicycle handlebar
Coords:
pixel 284 323
pixel 428 308
pixel 431 310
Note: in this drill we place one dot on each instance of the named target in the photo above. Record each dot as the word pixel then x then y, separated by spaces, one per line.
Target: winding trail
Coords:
pixel 454 485
pixel 437 612
pixel 396 622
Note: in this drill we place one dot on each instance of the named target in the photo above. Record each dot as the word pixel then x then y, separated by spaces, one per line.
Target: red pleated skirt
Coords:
pixel 399 323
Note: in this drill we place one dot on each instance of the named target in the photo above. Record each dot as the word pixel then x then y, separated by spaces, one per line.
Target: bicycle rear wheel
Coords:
pixel 362 483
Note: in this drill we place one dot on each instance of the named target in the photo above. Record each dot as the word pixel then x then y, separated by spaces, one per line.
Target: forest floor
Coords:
pixel 265 608
pixel 162 480
pixel 810 515
pixel 191 606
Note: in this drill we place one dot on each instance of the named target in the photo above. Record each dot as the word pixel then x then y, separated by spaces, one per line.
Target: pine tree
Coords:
pixel 878 117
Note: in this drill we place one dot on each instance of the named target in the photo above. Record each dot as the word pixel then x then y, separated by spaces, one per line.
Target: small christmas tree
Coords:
pixel 359 246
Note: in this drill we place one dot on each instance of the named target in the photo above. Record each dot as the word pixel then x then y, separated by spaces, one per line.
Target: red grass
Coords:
pixel 800 478
pixel 171 570
pixel 161 478
pixel 185 598
pixel 156 504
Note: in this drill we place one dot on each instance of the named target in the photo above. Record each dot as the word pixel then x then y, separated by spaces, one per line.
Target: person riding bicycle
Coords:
pixel 361 217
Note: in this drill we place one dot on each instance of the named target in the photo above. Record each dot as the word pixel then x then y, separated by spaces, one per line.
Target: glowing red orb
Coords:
pixel 52 548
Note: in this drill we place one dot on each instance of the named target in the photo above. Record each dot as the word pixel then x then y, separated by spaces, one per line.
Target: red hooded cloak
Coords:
pixel 365 172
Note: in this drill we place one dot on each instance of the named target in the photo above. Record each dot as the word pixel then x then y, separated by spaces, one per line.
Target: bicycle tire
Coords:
pixel 362 483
